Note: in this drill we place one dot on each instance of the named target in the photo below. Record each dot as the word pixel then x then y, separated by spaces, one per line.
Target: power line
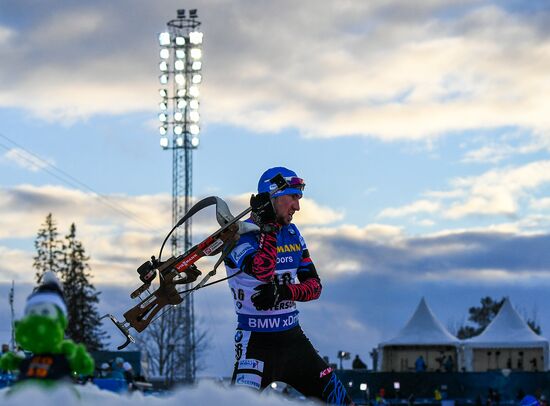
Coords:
pixel 70 180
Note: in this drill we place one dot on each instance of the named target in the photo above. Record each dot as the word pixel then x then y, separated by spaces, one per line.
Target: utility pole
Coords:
pixel 11 295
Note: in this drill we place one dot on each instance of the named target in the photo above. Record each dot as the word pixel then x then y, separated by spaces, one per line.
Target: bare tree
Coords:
pixel 162 343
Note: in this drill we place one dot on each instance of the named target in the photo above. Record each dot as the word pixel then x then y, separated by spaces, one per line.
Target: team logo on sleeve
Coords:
pixel 253 364
pixel 241 250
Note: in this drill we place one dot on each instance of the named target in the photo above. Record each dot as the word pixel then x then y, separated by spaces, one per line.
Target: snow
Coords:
pixel 207 393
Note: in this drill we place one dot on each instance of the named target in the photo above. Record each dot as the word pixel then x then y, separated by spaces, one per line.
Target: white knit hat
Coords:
pixel 49 291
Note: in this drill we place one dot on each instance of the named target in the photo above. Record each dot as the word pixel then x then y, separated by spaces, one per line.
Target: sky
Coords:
pixel 421 130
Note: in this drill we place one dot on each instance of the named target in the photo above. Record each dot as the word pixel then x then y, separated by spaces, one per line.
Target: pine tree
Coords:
pixel 483 315
pixel 80 295
pixel 48 249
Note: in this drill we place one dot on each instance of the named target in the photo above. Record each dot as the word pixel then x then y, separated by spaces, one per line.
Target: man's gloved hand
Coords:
pixel 267 296
pixel 262 209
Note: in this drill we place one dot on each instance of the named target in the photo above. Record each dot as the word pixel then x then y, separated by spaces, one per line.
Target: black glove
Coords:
pixel 267 296
pixel 262 209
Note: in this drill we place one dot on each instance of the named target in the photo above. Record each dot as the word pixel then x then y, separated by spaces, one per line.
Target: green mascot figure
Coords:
pixel 41 332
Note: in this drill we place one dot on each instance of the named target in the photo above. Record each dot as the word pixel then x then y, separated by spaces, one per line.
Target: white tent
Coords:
pixel 507 343
pixel 422 335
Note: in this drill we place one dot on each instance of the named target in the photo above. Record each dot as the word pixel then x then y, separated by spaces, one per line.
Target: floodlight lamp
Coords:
pixel 163 93
pixel 180 53
pixel 195 37
pixel 164 39
pixel 194 116
pixel 163 130
pixel 181 103
pixel 180 93
pixel 194 91
pixel 180 41
pixel 343 355
pixel 164 142
pixel 196 53
pixel 179 64
pixel 164 53
pixel 194 104
pixel 178 129
pixel 163 117
pixel 194 129
pixel 195 142
pixel 179 141
pixel 396 385
pixel 193 13
pixel 196 78
pixel 180 79
pixel 197 65
pixel 163 66
pixel 163 79
pixel 163 106
pixel 178 116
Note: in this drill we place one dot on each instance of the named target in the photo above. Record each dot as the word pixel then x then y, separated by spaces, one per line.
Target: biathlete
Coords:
pixel 272 270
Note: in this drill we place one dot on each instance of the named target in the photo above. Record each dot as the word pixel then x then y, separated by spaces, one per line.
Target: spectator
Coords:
pixel 104 370
pixel 449 364
pixel 5 350
pixel 419 364
pixel 437 395
pixel 128 372
pixel 117 371
pixel 529 401
pixel 358 363
pixel 381 397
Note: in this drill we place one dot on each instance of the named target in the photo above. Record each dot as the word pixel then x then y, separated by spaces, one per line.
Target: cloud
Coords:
pixel 452 257
pixel 27 160
pixel 496 192
pixel 118 244
pixel 311 212
pixel 420 206
pixel 119 232
pixel 509 144
pixel 541 204
pixel 378 69
pixel 5 34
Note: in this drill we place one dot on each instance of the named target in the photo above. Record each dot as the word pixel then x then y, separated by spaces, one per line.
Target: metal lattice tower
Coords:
pixel 181 76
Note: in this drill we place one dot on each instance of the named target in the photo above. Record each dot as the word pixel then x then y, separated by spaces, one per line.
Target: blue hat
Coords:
pixel 296 184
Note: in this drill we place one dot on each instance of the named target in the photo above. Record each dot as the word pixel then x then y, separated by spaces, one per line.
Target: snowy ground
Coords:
pixel 206 393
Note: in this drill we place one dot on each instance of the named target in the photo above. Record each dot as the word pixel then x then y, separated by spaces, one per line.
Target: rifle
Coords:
pixel 182 269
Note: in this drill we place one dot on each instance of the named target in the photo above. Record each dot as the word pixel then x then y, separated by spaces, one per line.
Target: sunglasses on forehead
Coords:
pixel 295 183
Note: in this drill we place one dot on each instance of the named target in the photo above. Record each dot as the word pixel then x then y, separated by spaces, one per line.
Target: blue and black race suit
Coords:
pixel 270 344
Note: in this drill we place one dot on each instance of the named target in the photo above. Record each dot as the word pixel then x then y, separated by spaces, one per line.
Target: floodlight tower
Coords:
pixel 180 76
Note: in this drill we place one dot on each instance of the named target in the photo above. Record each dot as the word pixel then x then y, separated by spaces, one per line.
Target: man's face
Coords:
pixel 285 207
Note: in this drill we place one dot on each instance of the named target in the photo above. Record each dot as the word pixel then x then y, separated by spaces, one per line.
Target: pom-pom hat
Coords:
pixel 49 291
